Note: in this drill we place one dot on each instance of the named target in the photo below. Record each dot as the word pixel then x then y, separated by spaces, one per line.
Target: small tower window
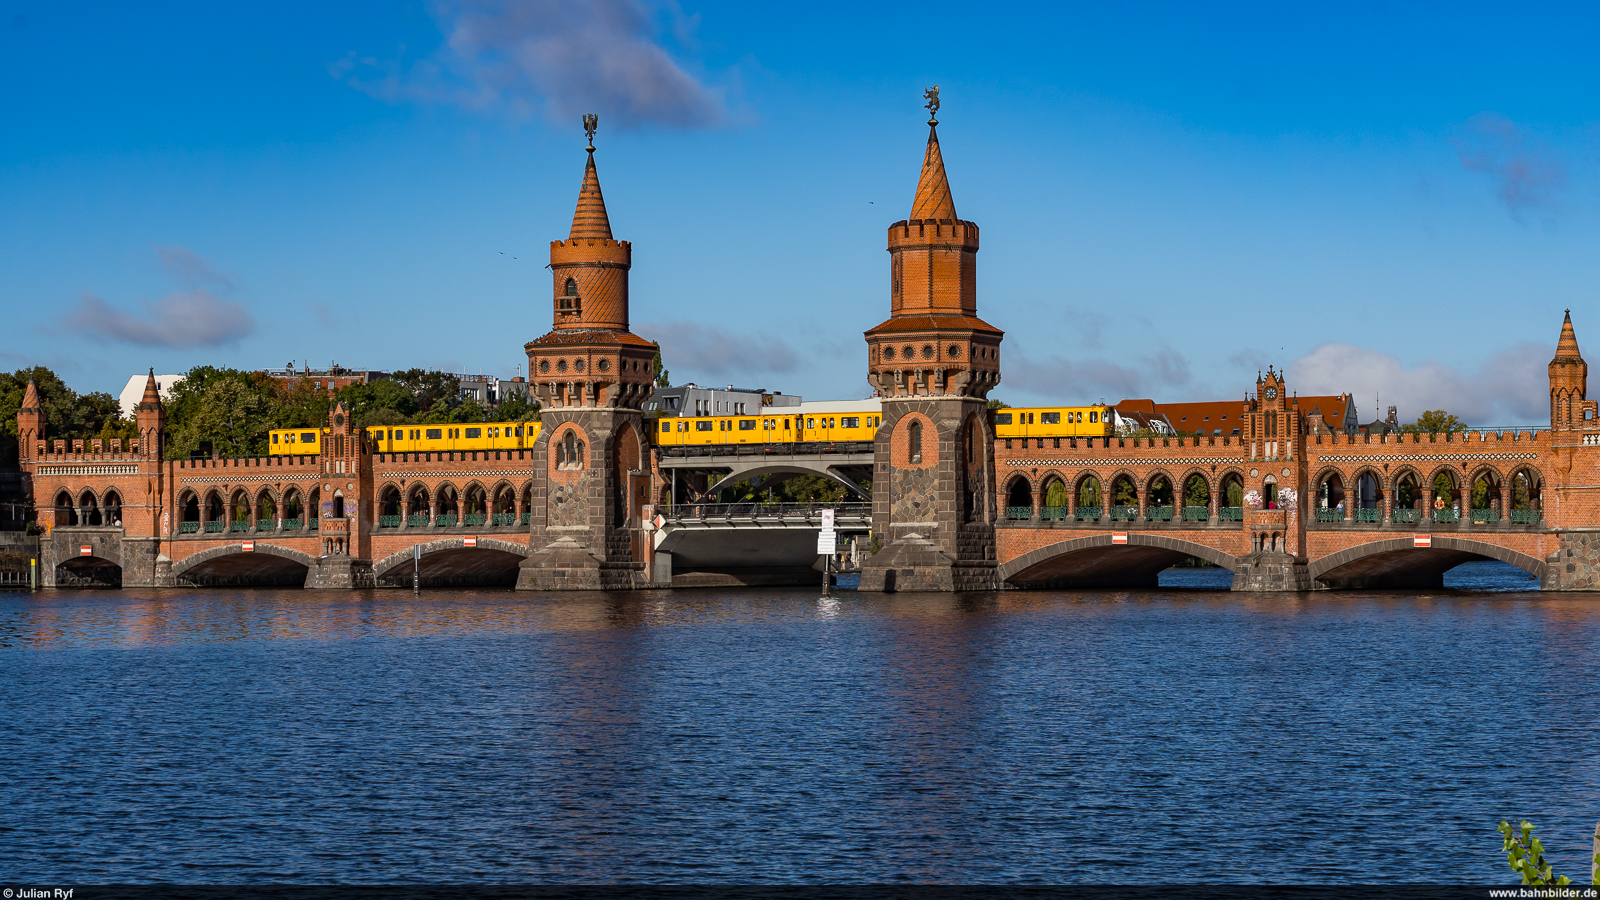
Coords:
pixel 568 301
pixel 914 442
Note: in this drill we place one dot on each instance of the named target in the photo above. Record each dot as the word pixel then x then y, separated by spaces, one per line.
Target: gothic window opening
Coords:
pixel 569 301
pixel 569 452
pixel 914 442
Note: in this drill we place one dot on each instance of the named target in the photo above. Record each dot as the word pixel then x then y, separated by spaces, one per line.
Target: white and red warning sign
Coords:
pixel 469 542
pixel 85 550
pixel 1422 540
pixel 1119 537
pixel 248 547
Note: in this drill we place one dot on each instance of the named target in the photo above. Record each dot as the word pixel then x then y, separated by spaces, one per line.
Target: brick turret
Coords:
pixel 933 361
pixel 151 419
pixel 30 421
pixel 591 375
pixel 1569 378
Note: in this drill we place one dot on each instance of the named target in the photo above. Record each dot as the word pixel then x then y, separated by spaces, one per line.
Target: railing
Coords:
pixel 1124 513
pixel 1058 513
pixel 389 521
pixel 188 527
pixel 706 511
pixel 1524 517
pixel 213 527
pixel 1325 514
pixel 1158 514
pixel 1197 513
pixel 1485 516
pixel 1446 516
pixel 527 518
pixel 238 525
pixel 505 518
pixel 311 525
pixel 417 520
pixel 1016 513
pixel 476 518
pixel 293 524
pixel 1363 514
pixel 1088 513
pixel 1230 514
pixel 1406 516
pixel 444 521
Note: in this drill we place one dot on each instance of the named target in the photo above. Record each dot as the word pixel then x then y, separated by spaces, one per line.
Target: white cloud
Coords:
pixel 1509 388
pixel 181 320
pixel 554 57
pixel 690 349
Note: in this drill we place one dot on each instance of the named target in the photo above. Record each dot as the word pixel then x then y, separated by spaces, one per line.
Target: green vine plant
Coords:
pixel 1525 855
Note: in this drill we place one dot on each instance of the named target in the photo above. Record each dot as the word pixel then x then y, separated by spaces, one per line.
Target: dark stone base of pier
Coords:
pixel 566 565
pixel 340 573
pixel 1271 572
pixel 1576 565
pixel 912 563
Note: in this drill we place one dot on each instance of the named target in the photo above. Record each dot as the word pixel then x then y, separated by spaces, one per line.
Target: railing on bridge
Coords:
pixel 1019 513
pixel 1485 516
pixel 188 527
pixel 1446 516
pixel 389 521
pixel 1230 514
pixel 1197 513
pixel 1124 513
pixel 708 512
pixel 1524 517
pixel 1088 513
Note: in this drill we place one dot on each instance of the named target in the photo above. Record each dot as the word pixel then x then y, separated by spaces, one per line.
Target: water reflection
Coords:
pixel 776 736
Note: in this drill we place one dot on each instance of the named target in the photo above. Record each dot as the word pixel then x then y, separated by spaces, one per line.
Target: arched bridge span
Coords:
pixel 1131 559
pixel 1400 563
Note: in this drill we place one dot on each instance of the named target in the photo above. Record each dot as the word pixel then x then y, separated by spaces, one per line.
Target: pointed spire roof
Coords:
pixel 933 200
pixel 152 392
pixel 1567 347
pixel 590 221
pixel 30 398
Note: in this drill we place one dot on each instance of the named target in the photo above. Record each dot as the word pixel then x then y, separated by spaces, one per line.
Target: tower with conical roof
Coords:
pixel 151 419
pixel 30 421
pixel 933 363
pixel 590 375
pixel 1569 378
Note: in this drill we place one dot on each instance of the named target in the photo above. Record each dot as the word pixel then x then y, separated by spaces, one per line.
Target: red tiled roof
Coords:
pixel 1226 414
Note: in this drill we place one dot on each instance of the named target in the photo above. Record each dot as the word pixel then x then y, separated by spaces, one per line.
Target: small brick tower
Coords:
pixel 933 361
pixel 590 375
pixel 1273 426
pixel 30 422
pixel 151 419
pixel 1569 379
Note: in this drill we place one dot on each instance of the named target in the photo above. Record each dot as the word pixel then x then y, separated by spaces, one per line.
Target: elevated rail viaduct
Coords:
pixel 1284 502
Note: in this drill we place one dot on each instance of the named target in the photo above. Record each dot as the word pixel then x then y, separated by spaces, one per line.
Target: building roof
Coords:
pixel 933 200
pixel 589 220
pixel 1567 346
pixel 1225 415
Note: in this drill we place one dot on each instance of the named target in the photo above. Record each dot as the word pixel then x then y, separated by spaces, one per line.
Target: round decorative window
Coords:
pixel 1271 392
pixel 338 418
pixel 908 351
pixel 927 351
pixel 577 365
pixel 955 351
pixel 888 353
pixel 544 365
pixel 603 365
pixel 561 365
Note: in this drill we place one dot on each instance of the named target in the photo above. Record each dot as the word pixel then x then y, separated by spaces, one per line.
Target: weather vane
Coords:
pixel 933 104
pixel 590 123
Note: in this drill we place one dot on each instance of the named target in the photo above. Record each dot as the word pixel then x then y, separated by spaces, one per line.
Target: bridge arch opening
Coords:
pixel 66 511
pixel 417 503
pixel 449 563
pixel 88 572
pixel 1524 496
pixel 91 509
pixel 1158 497
pixel 112 503
pixel 446 506
pixel 1124 495
pixel 1447 505
pixel 266 509
pixel 1331 494
pixel 1400 564
pixel 1019 498
pixel 264 566
pixel 294 510
pixel 389 505
pixel 214 509
pixel 1056 496
pixel 1097 562
pixel 1196 497
pixel 1232 493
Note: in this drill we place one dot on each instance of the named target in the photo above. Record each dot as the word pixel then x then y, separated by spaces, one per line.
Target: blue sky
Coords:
pixel 1391 199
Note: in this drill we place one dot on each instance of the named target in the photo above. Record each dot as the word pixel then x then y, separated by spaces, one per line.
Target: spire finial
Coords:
pixel 932 96
pixel 591 122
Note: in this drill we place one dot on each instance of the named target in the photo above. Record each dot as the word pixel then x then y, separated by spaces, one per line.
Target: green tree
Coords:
pixel 300 404
pixel 68 414
pixel 1056 494
pixel 1196 492
pixel 1123 494
pixel 430 387
pixel 1525 856
pixel 1435 421
pixel 663 377
pixel 516 408
pixel 1089 492
pixel 232 416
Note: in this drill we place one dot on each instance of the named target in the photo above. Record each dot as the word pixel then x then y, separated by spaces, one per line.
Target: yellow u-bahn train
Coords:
pixel 1052 421
pixel 413 438
pixel 851 420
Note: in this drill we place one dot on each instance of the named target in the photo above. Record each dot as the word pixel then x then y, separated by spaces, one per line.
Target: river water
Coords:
pixel 772 736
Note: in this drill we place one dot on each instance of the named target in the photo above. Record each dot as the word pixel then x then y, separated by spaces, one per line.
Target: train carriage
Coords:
pixel 1052 421
pixel 413 438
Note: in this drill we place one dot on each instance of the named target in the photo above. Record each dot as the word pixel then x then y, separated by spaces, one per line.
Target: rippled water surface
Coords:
pixel 771 736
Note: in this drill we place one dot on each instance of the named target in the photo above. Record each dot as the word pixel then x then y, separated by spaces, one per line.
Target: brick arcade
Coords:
pixel 1289 503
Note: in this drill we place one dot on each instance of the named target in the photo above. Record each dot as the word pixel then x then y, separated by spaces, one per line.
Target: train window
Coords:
pixel 811 423
pixel 785 424
pixel 309 437
pixel 1094 416
pixel 1002 418
pixel 666 426
pixel 1050 418
pixel 274 439
pixel 434 434
pixel 706 425
pixel 850 422
pixel 474 432
pixel 747 424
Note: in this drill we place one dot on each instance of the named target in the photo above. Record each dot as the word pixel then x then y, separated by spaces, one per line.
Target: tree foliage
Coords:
pixel 1435 421
pixel 1525 855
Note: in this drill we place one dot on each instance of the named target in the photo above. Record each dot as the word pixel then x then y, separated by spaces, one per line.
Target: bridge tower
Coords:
pixel 1273 425
pixel 591 375
pixel 933 363
pixel 1569 379
pixel 30 421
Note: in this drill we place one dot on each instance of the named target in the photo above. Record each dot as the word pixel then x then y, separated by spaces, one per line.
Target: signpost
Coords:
pixel 827 545
pixel 416 569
